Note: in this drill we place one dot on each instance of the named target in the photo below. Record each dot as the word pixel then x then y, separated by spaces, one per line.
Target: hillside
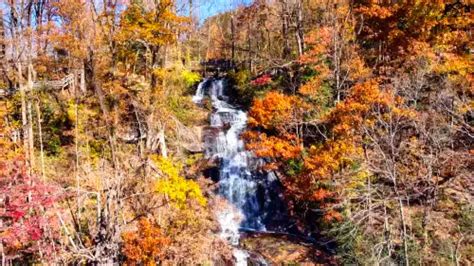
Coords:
pixel 280 132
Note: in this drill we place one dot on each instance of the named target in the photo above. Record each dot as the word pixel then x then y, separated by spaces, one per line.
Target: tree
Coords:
pixel 146 245
pixel 28 215
pixel 149 30
pixel 282 117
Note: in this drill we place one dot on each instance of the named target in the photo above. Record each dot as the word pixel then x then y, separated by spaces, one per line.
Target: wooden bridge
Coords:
pixel 217 65
pixel 44 84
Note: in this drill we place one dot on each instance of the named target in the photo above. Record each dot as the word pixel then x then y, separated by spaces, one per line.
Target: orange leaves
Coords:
pixel 349 114
pixel 70 32
pixel 332 215
pixel 319 40
pixel 276 111
pixel 355 67
pixel 146 245
pixel 345 122
pixel 321 194
pixel 313 86
pixel 375 10
pixel 272 110
pixel 281 116
pixel 284 147
pixel 333 59
pixel 389 29
pixel 322 162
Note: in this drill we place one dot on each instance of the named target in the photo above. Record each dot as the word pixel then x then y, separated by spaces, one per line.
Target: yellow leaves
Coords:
pixel 356 67
pixel 190 78
pixel 156 27
pixel 453 64
pixel 359 179
pixel 4 141
pixel 404 112
pixel 466 108
pixel 166 166
pixel 328 158
pixel 160 73
pixel 177 189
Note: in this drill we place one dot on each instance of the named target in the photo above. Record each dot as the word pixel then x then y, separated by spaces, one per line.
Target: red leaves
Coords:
pixel 26 211
pixel 262 81
pixel 34 230
pixel 15 214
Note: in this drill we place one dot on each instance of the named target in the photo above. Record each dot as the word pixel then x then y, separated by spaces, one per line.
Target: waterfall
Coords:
pixel 236 182
pixel 197 98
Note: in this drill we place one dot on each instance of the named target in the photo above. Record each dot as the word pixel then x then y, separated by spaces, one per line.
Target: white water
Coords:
pixel 197 98
pixel 236 183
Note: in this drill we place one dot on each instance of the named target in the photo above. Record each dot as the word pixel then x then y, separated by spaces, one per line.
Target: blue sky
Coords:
pixel 207 8
pixel 203 8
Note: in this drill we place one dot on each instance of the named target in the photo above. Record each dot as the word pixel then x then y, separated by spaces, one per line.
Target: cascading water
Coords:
pixel 236 182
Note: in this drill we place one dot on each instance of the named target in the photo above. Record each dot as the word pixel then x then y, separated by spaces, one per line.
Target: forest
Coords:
pixel 237 132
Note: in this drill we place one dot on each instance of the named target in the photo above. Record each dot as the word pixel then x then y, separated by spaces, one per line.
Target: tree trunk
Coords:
pixel 2 37
pixel 154 63
pixel 299 28
pixel 394 177
pixel 336 54
pixel 162 140
pixel 40 137
pixel 83 80
pixel 31 147
pixel 232 30
pixel 285 29
pixel 91 78
pixel 24 119
pixel 249 47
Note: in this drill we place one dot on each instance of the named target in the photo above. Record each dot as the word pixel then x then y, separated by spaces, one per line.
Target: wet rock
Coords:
pixel 194 147
pixel 280 249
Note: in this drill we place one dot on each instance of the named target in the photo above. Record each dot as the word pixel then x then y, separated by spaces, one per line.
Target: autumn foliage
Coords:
pixel 363 109
pixel 262 81
pixel 145 246
pixel 280 115
pixel 28 213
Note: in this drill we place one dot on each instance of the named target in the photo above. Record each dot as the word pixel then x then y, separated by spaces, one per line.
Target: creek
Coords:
pixel 254 196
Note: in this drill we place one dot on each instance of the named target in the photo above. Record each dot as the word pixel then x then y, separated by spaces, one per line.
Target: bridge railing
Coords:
pixel 44 84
